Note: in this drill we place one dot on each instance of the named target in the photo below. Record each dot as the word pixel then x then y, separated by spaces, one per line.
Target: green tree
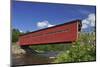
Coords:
pixel 15 35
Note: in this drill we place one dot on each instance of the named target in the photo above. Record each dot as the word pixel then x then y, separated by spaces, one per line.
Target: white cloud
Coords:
pixel 44 24
pixel 91 18
pixel 89 21
pixel 50 25
pixel 21 31
pixel 84 26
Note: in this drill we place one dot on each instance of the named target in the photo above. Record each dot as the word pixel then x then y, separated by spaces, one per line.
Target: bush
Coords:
pixel 51 47
pixel 77 53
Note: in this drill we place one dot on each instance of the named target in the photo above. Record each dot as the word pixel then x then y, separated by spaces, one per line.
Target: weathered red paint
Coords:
pixel 67 32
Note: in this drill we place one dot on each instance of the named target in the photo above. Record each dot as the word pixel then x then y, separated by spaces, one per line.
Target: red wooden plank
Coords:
pixel 62 33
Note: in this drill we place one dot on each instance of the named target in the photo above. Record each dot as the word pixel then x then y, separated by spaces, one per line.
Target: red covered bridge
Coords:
pixel 63 33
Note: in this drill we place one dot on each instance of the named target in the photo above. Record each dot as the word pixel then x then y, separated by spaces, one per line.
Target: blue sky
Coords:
pixel 29 16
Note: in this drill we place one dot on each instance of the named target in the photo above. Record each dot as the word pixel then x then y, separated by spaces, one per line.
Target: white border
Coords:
pixel 84 2
pixel 5 33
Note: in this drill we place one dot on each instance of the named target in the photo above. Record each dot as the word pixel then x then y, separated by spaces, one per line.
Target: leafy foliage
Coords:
pixel 15 35
pixel 51 47
pixel 82 50
pixel 77 53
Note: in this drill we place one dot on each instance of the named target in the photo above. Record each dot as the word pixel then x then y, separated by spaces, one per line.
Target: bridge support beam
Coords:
pixel 29 50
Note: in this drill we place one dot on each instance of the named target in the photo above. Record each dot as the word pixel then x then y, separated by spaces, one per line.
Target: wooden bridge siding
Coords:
pixel 71 35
